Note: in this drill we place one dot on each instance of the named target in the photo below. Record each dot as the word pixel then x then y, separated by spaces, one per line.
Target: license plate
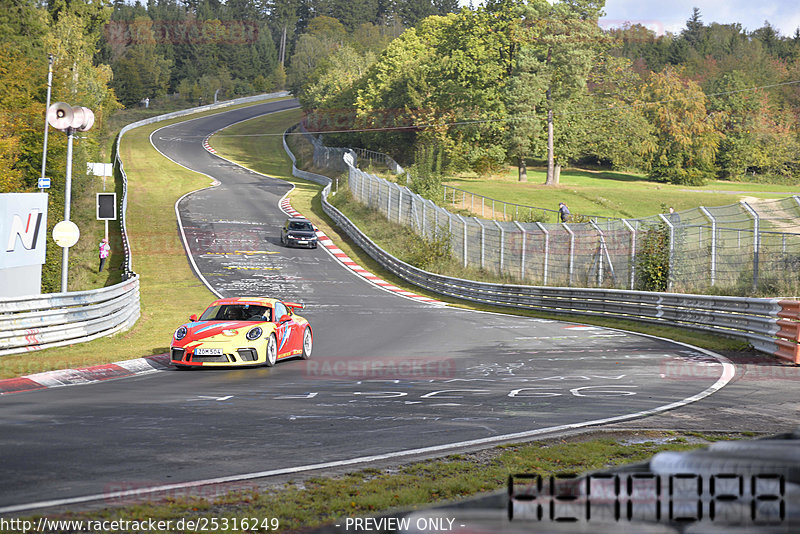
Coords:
pixel 208 352
pixel 302 242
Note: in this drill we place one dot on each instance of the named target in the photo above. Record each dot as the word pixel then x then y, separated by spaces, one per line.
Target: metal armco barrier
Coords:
pixel 43 321
pixel 128 266
pixel 39 322
pixel 769 325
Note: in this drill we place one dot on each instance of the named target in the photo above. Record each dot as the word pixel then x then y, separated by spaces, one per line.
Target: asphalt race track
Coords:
pixel 387 374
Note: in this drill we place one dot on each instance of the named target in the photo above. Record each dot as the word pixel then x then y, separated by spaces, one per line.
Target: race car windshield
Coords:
pixel 237 312
pixel 300 225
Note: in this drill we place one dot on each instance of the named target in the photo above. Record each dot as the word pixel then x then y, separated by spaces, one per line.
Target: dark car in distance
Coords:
pixel 297 232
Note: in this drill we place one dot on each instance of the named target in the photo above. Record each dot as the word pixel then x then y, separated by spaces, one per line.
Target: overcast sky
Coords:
pixel 671 16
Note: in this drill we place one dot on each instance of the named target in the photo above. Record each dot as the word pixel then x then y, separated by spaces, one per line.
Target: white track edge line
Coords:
pixel 727 375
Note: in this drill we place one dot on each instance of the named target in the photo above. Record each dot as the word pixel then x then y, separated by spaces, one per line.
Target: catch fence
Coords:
pixel 735 249
pixel 742 245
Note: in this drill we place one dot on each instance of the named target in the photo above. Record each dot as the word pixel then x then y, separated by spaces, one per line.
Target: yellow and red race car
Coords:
pixel 242 331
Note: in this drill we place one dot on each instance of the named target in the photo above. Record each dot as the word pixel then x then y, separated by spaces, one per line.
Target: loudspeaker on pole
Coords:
pixel 60 116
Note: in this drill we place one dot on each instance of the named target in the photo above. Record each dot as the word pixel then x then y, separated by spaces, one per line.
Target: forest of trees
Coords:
pixel 514 80
pixel 469 88
pixel 106 56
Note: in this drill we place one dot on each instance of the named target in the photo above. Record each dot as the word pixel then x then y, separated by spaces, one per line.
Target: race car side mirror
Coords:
pixel 285 318
pixel 193 318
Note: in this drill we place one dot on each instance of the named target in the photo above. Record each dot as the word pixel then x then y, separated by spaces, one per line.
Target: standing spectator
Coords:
pixel 105 250
pixel 674 218
pixel 563 210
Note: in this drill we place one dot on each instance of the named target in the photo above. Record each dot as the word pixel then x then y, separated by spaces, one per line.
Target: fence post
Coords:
pixel 400 205
pixel 388 201
pixel 599 255
pixel 464 222
pixel 571 251
pixel 632 265
pixel 713 243
pixel 522 251
pixel 546 251
pixel 755 242
pixel 483 242
pixel 671 250
pixel 502 243
pixel 424 219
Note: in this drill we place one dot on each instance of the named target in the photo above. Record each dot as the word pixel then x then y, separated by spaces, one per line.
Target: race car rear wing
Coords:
pixel 294 306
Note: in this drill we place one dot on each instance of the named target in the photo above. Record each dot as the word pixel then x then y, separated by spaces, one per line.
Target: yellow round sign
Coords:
pixel 66 234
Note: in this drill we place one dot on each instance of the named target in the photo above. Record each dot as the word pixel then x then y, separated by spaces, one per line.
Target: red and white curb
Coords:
pixel 85 375
pixel 206 144
pixel 344 259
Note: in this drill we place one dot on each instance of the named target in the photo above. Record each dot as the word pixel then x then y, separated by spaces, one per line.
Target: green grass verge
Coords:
pixel 316 501
pixel 170 291
pixel 611 194
pixel 258 153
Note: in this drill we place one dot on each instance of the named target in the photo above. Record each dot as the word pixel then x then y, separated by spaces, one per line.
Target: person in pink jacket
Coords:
pixel 105 250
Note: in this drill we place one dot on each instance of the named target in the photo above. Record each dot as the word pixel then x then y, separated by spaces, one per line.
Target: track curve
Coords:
pixel 389 377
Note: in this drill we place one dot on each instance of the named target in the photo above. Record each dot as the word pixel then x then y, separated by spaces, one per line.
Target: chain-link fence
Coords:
pixel 735 249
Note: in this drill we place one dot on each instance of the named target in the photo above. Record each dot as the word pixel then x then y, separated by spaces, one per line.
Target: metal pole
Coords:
pixel 571 251
pixel 671 249
pixel 424 220
pixel 546 250
pixel 399 205
pixel 46 124
pixel 713 244
pixel 67 201
pixel 599 254
pixel 483 242
pixel 755 242
pixel 522 252
pixel 464 222
pixel 632 266
pixel 502 243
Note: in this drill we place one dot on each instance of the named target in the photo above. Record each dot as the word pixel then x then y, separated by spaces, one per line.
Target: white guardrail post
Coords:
pixel 713 266
pixel 753 213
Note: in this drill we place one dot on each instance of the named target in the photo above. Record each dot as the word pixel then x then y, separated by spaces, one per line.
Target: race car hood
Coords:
pixel 219 330
pixel 308 234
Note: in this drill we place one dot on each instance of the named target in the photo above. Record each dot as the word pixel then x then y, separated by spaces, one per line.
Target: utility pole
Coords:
pixel 46 124
pixel 283 47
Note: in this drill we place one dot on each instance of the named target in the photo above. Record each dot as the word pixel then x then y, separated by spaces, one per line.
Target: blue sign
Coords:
pixel 44 183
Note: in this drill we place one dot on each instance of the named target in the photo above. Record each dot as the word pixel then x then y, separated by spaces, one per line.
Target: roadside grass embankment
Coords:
pixel 169 290
pixel 252 143
pixel 311 501
pixel 610 193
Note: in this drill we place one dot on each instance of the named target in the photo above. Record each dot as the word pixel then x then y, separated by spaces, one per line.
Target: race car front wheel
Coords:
pixel 272 350
pixel 308 342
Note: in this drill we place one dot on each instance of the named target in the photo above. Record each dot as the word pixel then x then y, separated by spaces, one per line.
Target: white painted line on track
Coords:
pixel 727 375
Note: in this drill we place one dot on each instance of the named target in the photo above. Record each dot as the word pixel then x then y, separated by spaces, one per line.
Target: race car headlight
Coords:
pixel 180 333
pixel 254 333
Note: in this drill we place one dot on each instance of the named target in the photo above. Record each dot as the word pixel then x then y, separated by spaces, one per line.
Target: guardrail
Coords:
pixel 118 166
pixel 39 322
pixel 769 325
